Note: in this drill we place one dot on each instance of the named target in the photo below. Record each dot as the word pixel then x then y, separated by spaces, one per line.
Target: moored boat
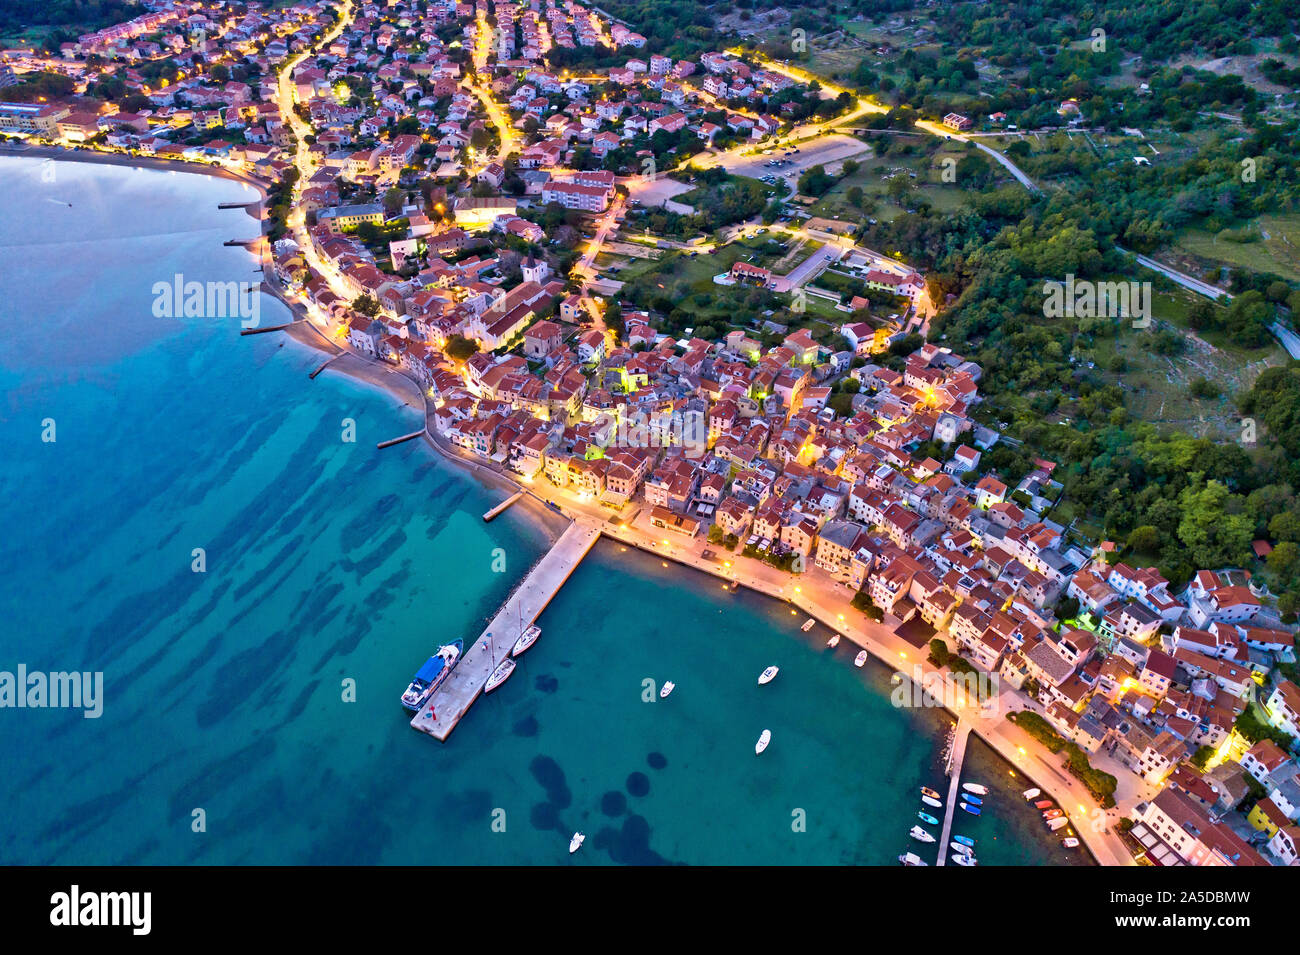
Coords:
pixel 927 791
pixel 962 847
pixel 768 675
pixel 1043 804
pixel 964 840
pixel 575 842
pixel 526 640
pixel 1057 823
pixel 920 834
pixel 932 802
pixel 973 800
pixel 1052 814
pixel 911 858
pixel 834 641
pixel 499 675
pixel 808 624
pixel 1031 794
pixel 977 788
pixel 860 659
pixel 1070 842
pixel 436 669
pixel 667 688
pixel 963 859
pixel 927 818
pixel 973 810
pixel 764 738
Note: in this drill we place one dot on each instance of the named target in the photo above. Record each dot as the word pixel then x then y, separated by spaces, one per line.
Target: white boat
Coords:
pixel 526 640
pixel 963 850
pixel 499 675
pixel 768 675
pixel 577 840
pixel 834 641
pixel 860 659
pixel 1057 823
pixel 962 858
pixel 763 740
pixel 667 688
pixel 1070 842
pixel 976 788
pixel 920 834
pixel 931 801
pixel 1031 794
pixel 808 624
pixel 911 858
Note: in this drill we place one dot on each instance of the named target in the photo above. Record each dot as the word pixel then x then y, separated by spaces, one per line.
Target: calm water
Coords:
pixel 327 562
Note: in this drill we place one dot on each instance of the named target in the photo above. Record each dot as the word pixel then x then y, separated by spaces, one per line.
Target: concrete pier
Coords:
pixel 493 512
pixel 954 788
pixel 439 716
pixel 404 438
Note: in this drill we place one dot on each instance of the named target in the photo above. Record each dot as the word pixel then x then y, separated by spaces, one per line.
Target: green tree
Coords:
pixel 1214 526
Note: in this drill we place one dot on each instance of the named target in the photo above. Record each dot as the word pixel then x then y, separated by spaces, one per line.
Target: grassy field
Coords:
pixel 1157 387
pixel 923 172
pixel 1276 247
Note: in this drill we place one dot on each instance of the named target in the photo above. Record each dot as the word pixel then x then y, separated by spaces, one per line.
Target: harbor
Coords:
pixel 446 707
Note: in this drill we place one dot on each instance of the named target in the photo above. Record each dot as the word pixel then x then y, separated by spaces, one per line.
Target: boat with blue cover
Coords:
pixel 436 669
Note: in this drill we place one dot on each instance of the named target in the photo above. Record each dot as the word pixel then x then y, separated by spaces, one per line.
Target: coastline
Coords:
pixel 97 157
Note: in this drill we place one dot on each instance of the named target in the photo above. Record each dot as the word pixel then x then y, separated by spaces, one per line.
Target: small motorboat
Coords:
pixel 973 800
pixel 860 659
pixel 1052 814
pixel 834 641
pixel 964 840
pixel 976 788
pixel 808 624
pixel 764 738
pixel 768 675
pixel 932 802
pixel 1057 823
pixel 499 675
pixel 1043 804
pixel 927 818
pixel 973 810
pixel 911 858
pixel 963 859
pixel 577 840
pixel 1031 794
pixel 927 791
pixel 920 834
pixel 667 688
pixel 1069 842
pixel 526 640
pixel 962 848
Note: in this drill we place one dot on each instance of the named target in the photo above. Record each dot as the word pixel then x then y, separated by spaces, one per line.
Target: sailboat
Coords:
pixel 499 675
pixel 526 640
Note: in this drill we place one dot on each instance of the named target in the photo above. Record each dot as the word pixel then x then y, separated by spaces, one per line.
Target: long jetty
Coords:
pixel 439 716
pixel 404 438
pixel 493 512
pixel 954 787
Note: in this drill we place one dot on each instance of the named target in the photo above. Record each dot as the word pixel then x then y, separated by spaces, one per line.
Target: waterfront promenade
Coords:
pixel 439 716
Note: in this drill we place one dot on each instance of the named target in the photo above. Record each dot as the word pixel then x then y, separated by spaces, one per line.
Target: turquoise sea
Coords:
pixel 328 563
